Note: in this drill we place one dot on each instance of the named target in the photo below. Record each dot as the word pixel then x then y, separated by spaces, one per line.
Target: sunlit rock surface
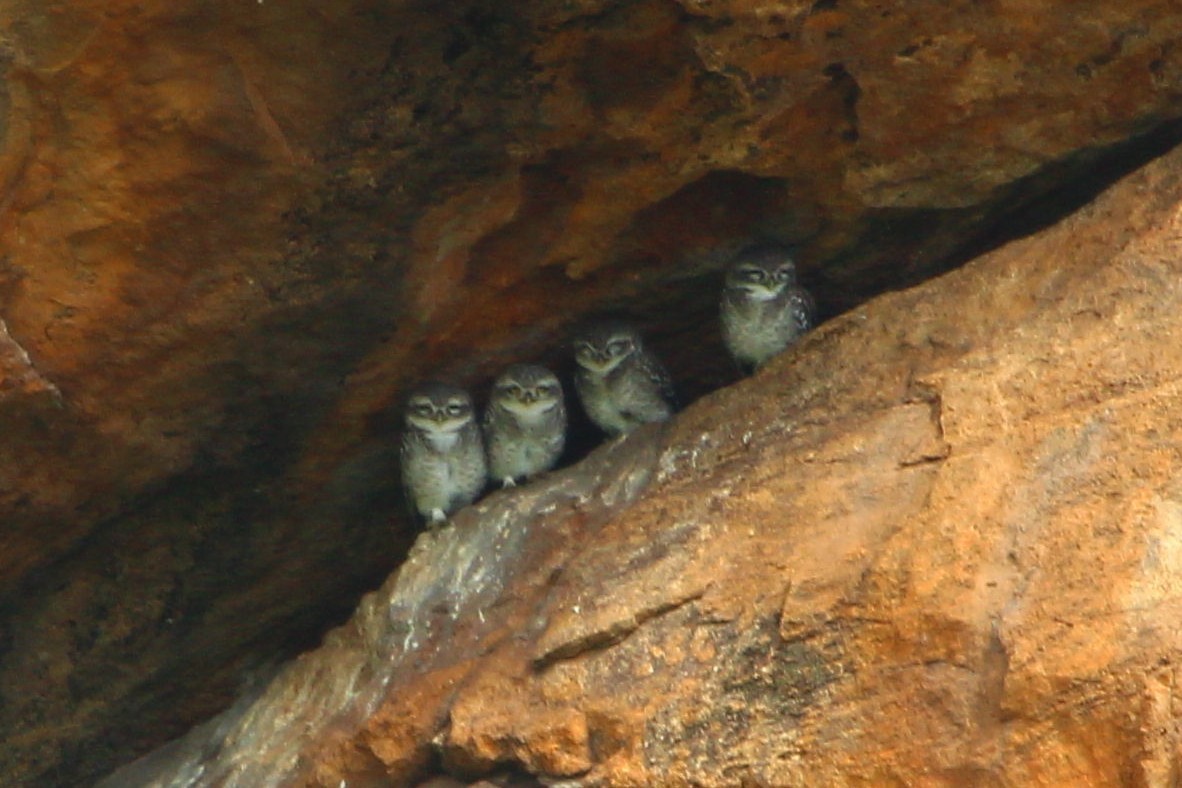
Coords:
pixel 940 542
pixel 233 233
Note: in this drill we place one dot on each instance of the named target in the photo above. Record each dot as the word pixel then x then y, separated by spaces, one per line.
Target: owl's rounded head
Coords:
pixel 527 389
pixel 438 407
pixel 601 347
pixel 762 272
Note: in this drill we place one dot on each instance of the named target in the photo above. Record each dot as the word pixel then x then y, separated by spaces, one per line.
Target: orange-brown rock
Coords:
pixel 938 543
pixel 232 234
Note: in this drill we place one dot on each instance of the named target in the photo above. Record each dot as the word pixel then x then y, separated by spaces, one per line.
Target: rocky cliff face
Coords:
pixel 938 543
pixel 232 235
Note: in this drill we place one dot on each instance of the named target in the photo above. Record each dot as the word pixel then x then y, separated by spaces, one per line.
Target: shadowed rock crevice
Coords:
pixel 232 236
pixel 810 581
pixel 609 636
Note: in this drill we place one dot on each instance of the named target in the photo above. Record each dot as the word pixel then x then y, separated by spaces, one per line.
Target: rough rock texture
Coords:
pixel 231 234
pixel 939 543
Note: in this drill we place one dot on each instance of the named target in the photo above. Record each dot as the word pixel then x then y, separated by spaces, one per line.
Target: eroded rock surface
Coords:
pixel 232 234
pixel 936 543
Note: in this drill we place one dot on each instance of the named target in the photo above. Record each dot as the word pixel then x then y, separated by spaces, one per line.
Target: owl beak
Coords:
pixel 531 397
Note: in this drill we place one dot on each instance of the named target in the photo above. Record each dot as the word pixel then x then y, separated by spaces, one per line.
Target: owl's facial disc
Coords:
pixel 759 283
pixel 429 416
pixel 605 359
pixel 530 400
pixel 589 356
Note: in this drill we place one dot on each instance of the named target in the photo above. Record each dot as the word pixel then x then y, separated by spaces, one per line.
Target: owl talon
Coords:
pixel 508 482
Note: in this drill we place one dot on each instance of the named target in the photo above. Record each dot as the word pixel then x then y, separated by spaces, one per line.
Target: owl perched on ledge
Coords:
pixel 764 310
pixel 443 463
pixel 525 424
pixel 620 384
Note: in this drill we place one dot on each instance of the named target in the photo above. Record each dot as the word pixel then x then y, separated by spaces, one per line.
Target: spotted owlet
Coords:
pixel 620 384
pixel 443 464
pixel 525 424
pixel 764 310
